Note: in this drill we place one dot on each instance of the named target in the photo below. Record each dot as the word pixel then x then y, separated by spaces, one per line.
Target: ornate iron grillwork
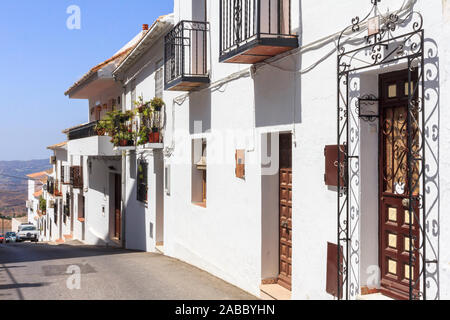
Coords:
pixel 244 21
pixel 186 53
pixel 400 41
pixel 142 181
pixel 84 131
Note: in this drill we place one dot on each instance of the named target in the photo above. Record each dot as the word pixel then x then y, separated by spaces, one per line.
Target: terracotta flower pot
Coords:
pixel 123 143
pixel 155 137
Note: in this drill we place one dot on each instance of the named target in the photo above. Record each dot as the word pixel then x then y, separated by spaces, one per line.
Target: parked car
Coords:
pixel 27 233
pixel 24 225
pixel 2 238
pixel 10 237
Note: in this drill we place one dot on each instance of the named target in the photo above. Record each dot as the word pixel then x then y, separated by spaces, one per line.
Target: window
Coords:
pixel 159 80
pixel 167 179
pixel 142 181
pixel 199 169
pixel 76 177
pixel 133 94
pixel 81 204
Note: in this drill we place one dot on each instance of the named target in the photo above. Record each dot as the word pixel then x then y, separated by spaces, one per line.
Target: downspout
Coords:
pixel 123 178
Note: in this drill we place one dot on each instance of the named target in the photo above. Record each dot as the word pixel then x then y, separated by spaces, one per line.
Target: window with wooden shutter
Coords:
pixel 159 80
pixel 240 164
pixel 142 181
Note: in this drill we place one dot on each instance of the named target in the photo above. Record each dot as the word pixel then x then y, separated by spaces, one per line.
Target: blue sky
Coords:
pixel 40 58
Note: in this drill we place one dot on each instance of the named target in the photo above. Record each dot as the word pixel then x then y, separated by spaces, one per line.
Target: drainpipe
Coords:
pixel 123 178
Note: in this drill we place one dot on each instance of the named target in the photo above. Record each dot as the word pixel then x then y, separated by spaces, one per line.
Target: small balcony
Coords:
pixel 185 56
pixel 85 140
pixel 252 31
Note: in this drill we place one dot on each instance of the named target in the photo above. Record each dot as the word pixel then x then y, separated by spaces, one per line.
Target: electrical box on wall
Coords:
pixel 331 166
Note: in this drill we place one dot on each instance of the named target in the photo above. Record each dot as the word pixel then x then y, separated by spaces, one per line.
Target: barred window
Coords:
pixel 76 177
pixel 142 181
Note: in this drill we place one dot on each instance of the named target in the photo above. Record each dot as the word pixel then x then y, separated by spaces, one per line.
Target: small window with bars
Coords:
pixel 142 181
pixel 76 177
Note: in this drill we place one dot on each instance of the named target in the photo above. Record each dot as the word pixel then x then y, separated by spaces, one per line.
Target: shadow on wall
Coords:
pixel 277 91
pixel 432 114
pixel 200 112
pixel 136 223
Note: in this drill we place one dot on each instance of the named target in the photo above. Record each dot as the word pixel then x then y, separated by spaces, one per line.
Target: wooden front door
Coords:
pixel 285 275
pixel 394 237
pixel 117 207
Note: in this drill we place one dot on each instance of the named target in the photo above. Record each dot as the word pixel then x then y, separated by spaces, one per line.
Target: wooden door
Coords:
pixel 117 207
pixel 285 271
pixel 394 238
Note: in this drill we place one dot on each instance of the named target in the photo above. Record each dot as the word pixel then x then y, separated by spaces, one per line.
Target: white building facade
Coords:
pixel 289 130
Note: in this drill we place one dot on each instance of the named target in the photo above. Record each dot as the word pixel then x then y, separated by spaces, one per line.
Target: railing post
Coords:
pixel 258 19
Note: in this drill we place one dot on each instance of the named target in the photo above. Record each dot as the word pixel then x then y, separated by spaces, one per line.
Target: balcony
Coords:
pixel 84 140
pixel 252 31
pixel 185 56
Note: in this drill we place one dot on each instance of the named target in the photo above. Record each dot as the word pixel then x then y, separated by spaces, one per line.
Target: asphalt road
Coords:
pixel 30 271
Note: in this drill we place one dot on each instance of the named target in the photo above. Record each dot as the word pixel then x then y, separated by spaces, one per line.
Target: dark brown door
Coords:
pixel 117 207
pixel 285 275
pixel 394 238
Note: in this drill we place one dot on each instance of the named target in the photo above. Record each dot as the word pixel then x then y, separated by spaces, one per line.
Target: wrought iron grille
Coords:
pixel 399 41
pixel 85 131
pixel 142 181
pixel 76 177
pixel 242 21
pixel 186 51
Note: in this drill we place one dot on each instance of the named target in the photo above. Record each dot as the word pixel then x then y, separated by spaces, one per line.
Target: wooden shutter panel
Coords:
pixel 159 85
pixel 240 164
pixel 331 166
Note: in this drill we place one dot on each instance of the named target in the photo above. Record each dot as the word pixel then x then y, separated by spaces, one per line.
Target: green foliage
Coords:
pixel 42 204
pixel 115 124
pixel 157 103
pixel 144 131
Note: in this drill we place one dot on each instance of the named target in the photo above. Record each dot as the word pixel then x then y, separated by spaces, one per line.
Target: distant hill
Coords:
pixel 14 184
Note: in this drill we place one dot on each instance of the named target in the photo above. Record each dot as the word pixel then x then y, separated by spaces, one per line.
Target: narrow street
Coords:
pixel 31 271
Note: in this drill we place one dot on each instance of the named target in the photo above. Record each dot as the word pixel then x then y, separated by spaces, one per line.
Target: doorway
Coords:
pixel 117 207
pixel 285 210
pixel 395 241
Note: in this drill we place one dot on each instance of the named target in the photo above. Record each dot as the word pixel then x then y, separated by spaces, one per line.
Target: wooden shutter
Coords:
pixel 332 270
pixel 240 164
pixel 159 83
pixel 331 166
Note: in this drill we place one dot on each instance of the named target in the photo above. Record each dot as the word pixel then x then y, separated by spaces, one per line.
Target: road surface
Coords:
pixel 30 271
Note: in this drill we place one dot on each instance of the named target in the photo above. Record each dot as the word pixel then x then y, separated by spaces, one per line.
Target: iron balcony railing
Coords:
pixel 243 21
pixel 185 54
pixel 85 131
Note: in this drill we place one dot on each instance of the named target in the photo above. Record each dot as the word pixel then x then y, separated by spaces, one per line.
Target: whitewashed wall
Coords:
pixel 225 238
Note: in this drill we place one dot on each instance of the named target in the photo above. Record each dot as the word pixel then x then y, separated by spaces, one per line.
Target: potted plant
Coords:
pixel 100 128
pixel 157 104
pixel 154 135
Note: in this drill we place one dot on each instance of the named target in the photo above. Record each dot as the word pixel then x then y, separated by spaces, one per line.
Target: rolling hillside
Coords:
pixel 14 184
